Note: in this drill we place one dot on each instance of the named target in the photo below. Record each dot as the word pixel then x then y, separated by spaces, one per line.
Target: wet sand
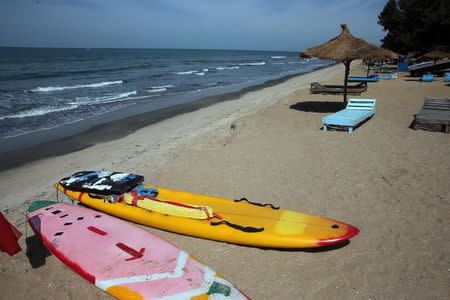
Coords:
pixel 67 138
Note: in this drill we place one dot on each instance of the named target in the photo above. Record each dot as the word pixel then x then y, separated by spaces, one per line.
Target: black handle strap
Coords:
pixel 238 227
pixel 256 203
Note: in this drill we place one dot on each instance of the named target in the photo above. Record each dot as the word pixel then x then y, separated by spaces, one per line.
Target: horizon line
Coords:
pixel 139 48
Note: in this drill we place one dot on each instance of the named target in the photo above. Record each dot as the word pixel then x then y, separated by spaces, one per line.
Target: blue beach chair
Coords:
pixel 427 77
pixel 388 76
pixel 357 111
pixel 371 78
pixel 447 77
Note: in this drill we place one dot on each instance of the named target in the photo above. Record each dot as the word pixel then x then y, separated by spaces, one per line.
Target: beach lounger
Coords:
pixel 447 77
pixel 371 78
pixel 357 111
pixel 317 88
pixel 388 76
pixel 427 78
pixel 434 115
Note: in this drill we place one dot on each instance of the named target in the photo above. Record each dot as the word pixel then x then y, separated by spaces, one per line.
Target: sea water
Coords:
pixel 43 88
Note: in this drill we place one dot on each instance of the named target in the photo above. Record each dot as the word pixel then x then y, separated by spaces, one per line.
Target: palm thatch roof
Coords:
pixel 381 53
pixel 435 54
pixel 347 47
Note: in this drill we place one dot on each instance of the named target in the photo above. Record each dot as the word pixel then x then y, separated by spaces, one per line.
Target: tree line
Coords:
pixel 415 25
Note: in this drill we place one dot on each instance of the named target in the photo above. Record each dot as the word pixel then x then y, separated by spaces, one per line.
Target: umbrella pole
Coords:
pixel 347 72
pixel 368 67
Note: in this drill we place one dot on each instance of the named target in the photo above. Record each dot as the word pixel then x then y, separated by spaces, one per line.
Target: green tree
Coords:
pixel 415 25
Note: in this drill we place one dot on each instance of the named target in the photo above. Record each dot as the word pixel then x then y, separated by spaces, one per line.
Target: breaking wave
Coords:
pixel 227 68
pixel 38 112
pixel 185 72
pixel 103 99
pixel 159 88
pixel 77 86
pixel 253 63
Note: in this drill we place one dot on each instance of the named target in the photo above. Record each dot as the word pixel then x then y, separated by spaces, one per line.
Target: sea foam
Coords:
pixel 159 88
pixel 103 99
pixel 227 68
pixel 156 90
pixel 185 72
pixel 162 86
pixel 253 63
pixel 77 86
pixel 38 112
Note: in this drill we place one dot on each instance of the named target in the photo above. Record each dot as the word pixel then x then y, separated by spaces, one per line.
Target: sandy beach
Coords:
pixel 390 181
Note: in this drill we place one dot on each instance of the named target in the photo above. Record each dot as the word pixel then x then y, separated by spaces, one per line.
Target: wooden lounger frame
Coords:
pixel 317 88
pixel 434 115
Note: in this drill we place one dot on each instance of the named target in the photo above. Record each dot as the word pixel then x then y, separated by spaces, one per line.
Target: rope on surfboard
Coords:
pixel 248 229
pixel 256 203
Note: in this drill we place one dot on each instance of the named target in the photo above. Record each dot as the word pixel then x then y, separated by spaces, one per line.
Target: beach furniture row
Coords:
pixel 431 77
pixel 434 115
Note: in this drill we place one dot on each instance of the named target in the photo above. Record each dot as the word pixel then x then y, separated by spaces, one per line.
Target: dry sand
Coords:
pixel 390 181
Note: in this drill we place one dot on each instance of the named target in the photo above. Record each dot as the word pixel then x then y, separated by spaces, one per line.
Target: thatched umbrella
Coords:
pixel 381 52
pixel 346 48
pixel 435 54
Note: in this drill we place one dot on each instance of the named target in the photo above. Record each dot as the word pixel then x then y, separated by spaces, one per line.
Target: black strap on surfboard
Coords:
pixel 256 203
pixel 248 229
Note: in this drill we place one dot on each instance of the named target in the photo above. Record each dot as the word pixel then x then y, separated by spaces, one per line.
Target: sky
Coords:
pixel 286 25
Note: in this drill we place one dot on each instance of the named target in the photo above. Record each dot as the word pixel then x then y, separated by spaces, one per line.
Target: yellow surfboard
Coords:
pixel 235 221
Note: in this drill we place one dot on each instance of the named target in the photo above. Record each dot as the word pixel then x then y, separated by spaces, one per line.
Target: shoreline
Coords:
pixel 29 147
pixel 386 179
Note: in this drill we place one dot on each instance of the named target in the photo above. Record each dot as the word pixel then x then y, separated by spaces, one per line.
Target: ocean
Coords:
pixel 45 88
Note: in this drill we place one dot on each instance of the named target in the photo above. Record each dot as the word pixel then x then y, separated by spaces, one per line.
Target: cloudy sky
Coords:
pixel 195 24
